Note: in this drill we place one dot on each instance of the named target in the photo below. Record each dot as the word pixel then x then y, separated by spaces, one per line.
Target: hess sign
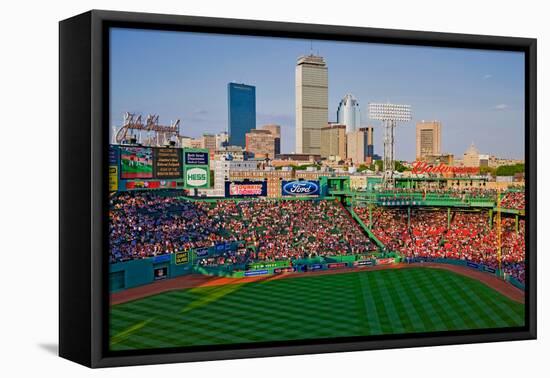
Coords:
pixel 196 177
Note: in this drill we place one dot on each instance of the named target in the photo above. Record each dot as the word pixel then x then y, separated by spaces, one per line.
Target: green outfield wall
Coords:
pixel 134 273
pixel 138 272
pixel 129 274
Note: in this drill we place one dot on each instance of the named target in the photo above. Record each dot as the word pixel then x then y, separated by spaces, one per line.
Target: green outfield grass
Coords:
pixel 339 305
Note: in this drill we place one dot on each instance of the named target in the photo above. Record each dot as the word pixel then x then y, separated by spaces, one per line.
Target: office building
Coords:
pixel 348 113
pixel 333 142
pixel 261 143
pixel 222 168
pixel 311 103
pixel 358 145
pixel 471 157
pixel 428 139
pixel 369 130
pixel 232 153
pixel 222 139
pixel 241 104
pixel 276 131
pixel 484 160
pixel 209 141
pixel 185 141
pixel 273 177
pixel 196 143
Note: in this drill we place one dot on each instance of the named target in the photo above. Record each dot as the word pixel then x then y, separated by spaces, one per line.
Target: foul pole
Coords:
pixel 499 235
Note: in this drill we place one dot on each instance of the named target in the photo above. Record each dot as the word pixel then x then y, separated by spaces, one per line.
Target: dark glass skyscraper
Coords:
pixel 241 104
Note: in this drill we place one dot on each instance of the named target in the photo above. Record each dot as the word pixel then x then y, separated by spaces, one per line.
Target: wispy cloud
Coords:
pixel 500 107
pixel 487 76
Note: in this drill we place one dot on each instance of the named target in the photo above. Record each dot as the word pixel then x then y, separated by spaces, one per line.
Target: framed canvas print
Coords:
pixel 235 188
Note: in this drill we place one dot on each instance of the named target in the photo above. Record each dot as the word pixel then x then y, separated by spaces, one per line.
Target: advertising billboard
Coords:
pixel 300 188
pixel 136 162
pixel 246 188
pixel 182 258
pixel 167 163
pixel 196 156
pixel 113 178
pixel 149 184
pixel 113 155
pixel 196 168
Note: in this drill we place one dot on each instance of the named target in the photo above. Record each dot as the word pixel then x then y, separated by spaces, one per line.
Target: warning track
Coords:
pixel 198 280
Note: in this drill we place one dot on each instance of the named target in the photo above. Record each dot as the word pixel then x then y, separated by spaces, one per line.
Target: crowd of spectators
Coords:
pixel 144 224
pixel 240 256
pixel 513 200
pixel 283 230
pixel 468 236
pixel 510 199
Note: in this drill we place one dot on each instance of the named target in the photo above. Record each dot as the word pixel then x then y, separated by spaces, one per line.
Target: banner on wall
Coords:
pixel 196 168
pixel 150 184
pixel 113 178
pixel 245 189
pixel 300 188
pixel 182 258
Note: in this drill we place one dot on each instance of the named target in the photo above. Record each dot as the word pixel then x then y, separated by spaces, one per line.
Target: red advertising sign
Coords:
pixel 336 265
pixel 245 189
pixel 150 185
pixel 421 167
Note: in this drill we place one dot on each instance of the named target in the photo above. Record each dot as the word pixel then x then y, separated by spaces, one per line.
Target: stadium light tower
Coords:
pixel 390 115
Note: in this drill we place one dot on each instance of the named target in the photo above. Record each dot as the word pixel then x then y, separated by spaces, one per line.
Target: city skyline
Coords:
pixel 185 75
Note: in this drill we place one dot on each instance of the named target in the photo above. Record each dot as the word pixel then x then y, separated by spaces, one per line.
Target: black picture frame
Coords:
pixel 83 141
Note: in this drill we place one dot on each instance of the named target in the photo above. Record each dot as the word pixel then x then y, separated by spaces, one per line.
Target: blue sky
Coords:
pixel 478 95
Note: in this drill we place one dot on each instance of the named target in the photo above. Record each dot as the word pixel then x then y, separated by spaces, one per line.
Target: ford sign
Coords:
pixel 300 188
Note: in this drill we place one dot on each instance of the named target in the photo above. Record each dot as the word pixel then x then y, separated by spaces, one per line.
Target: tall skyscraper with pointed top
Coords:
pixel 311 103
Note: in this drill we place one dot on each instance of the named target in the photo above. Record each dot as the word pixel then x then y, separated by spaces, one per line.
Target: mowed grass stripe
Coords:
pixel 409 305
pixel 216 328
pixel 172 326
pixel 257 320
pixel 463 310
pixel 360 303
pixel 364 311
pixel 445 295
pixel 430 316
pixel 484 313
pixel 195 333
pixel 512 313
pixel 223 310
pixel 427 315
pixel 319 310
pixel 165 328
pixel 394 294
pixel 271 322
pixel 386 291
pixel 379 304
pixel 441 308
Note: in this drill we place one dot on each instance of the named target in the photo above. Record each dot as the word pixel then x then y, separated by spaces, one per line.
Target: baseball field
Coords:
pixel 360 303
